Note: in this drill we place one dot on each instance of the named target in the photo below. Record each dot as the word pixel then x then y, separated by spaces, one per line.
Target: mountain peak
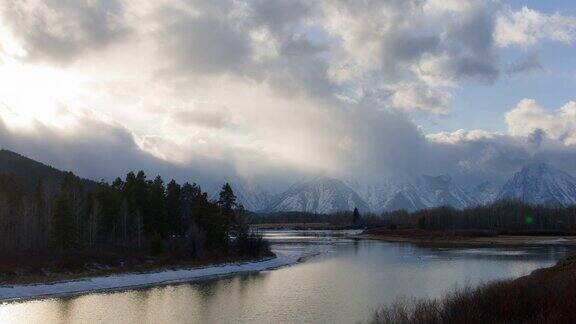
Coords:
pixel 319 195
pixel 540 183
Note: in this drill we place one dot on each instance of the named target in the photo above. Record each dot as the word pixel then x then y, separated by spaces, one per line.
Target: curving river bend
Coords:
pixel 342 281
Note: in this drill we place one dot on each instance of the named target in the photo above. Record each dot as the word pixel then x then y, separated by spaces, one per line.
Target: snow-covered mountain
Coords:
pixel 375 194
pixel 485 193
pixel 325 195
pixel 535 183
pixel 443 191
pixel 422 192
pixel 539 183
pixel 406 197
pixel 321 195
pixel 428 192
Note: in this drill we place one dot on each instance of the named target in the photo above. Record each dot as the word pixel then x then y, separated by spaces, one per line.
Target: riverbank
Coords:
pixel 471 238
pixel 127 281
pixel 53 267
pixel 545 296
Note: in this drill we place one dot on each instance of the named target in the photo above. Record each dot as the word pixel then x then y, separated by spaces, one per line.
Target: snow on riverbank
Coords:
pixel 137 280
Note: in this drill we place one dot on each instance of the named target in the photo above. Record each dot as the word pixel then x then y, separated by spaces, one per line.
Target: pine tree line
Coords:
pixel 131 214
pixel 501 216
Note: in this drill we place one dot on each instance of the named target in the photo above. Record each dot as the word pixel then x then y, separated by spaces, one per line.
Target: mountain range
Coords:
pixel 536 183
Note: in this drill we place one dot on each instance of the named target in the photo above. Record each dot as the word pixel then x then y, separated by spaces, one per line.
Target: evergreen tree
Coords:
pixel 10 211
pixel 63 234
pixel 355 216
pixel 174 208
pixel 136 193
pixel 222 218
pixel 227 199
pixel 109 199
pixel 155 214
pixel 190 194
pixel 42 219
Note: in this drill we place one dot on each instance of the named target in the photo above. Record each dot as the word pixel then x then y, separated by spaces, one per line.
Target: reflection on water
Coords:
pixel 343 283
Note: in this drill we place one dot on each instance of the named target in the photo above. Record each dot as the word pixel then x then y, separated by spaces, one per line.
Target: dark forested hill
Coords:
pixel 29 171
pixel 58 213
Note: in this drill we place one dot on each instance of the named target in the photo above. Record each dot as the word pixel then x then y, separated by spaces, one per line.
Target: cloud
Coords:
pixel 461 136
pixel 407 39
pixel 528 27
pixel 281 16
pixel 529 64
pixel 476 156
pixel 414 96
pixel 258 89
pixel 90 147
pixel 211 117
pixel 60 30
pixel 528 117
pixel 533 135
pixel 97 149
pixel 198 45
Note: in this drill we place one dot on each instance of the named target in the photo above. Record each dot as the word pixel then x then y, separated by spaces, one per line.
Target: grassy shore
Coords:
pixel 33 269
pixel 545 296
pixel 471 237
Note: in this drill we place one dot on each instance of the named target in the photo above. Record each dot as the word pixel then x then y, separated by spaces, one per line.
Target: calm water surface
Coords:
pixel 342 281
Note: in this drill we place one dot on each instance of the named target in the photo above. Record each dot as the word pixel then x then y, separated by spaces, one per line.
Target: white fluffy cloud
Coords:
pixel 528 27
pixel 528 118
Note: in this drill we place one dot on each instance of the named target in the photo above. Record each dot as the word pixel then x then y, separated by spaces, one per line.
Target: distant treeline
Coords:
pixel 342 218
pixel 302 217
pixel 502 216
pixel 131 214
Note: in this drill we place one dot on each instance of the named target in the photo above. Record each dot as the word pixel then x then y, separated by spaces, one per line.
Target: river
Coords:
pixel 341 280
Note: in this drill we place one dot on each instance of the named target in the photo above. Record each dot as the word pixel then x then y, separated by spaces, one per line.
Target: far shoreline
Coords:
pixel 443 238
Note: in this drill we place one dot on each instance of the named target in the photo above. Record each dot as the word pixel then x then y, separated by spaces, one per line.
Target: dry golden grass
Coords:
pixel 545 296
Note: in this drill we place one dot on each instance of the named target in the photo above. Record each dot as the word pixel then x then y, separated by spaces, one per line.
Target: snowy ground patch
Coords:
pixel 137 280
pixel 560 240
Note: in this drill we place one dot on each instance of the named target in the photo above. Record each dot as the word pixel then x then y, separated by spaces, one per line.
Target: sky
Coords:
pixel 275 91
